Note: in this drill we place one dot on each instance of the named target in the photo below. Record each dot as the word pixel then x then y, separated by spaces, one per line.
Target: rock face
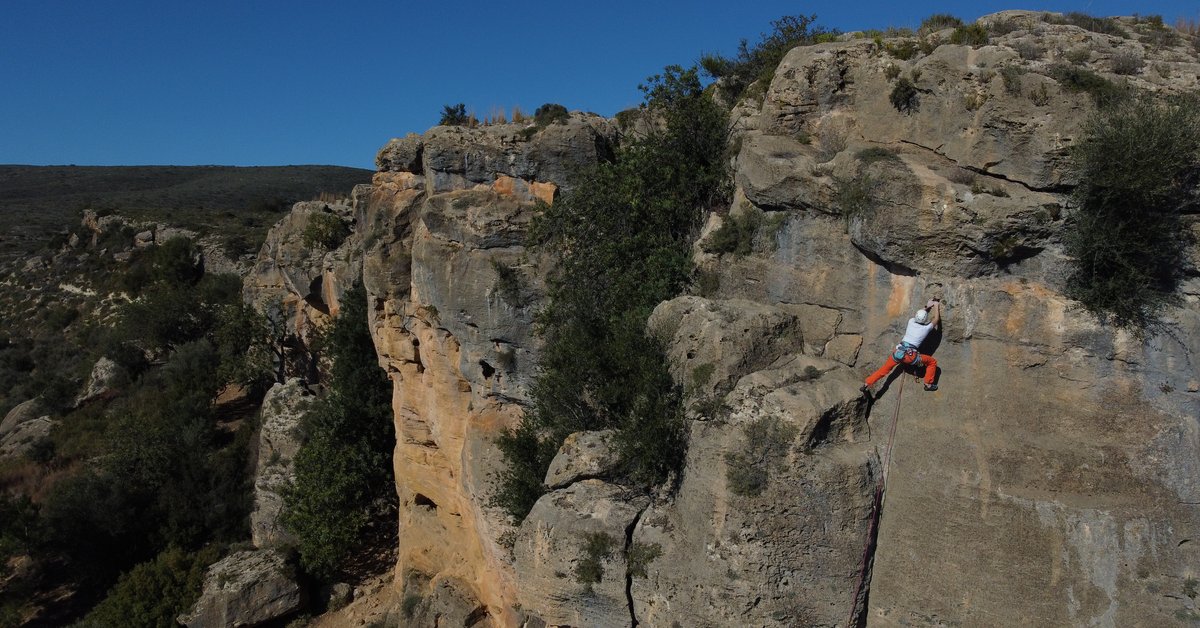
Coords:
pixel 23 427
pixel 245 589
pixel 452 289
pixel 279 441
pixel 1051 480
pixel 1055 466
pixel 296 280
pixel 106 377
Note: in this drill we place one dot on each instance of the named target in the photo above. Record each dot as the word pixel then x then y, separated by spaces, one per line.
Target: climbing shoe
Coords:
pixel 931 387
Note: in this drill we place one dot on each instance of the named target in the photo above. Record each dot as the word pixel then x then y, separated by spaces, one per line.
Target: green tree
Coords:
pixel 153 593
pixel 621 239
pixel 1128 244
pixel 454 115
pixel 757 62
pixel 344 469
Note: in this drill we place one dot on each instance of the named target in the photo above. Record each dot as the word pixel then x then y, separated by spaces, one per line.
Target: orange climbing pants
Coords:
pixel 927 361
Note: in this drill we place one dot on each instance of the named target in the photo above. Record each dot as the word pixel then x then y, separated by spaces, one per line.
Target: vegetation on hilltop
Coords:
pixel 237 203
pixel 756 63
pixel 621 238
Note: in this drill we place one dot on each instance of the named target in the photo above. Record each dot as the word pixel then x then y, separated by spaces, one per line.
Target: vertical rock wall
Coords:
pixel 451 290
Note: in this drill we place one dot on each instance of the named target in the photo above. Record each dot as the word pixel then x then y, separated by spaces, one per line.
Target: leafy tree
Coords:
pixel 550 113
pixel 344 469
pixel 621 239
pixel 153 593
pixel 1128 243
pixel 325 230
pixel 758 62
pixel 454 115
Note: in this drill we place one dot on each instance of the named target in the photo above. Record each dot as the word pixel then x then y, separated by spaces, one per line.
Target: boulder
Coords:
pixel 299 284
pixel 279 440
pixel 582 455
pixel 25 436
pixel 570 555
pixel 247 588
pixel 788 555
pixel 712 343
pixel 21 413
pixel 106 379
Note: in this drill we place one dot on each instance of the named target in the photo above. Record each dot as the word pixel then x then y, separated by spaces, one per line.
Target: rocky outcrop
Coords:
pixel 452 289
pixel 130 235
pixel 297 280
pixel 1055 466
pixel 246 588
pixel 279 440
pixel 1057 452
pixel 23 427
pixel 522 160
pixel 106 379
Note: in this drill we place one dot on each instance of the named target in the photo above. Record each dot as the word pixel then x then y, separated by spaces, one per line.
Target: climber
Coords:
pixel 919 326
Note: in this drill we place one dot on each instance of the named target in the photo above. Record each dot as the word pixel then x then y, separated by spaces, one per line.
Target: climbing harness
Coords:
pixel 906 353
pixel 877 505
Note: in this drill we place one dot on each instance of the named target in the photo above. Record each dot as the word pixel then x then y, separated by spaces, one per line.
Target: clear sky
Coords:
pixel 262 82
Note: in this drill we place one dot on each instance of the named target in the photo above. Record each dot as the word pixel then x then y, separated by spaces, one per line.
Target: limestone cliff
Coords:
pixel 1051 480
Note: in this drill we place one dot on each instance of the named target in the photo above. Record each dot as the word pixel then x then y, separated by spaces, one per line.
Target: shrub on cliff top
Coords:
pixel 758 62
pixel 550 113
pixel 939 21
pixel 325 230
pixel 1138 164
pixel 455 115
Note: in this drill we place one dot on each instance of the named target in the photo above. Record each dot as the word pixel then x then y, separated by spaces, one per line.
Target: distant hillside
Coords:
pixel 39 201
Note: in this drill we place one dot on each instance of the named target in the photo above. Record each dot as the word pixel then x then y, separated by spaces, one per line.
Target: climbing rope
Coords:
pixel 877 506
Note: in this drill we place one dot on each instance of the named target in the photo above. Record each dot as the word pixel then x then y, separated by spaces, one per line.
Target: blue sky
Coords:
pixel 259 82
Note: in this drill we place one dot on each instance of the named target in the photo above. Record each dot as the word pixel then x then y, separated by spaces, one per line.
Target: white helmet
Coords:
pixel 922 317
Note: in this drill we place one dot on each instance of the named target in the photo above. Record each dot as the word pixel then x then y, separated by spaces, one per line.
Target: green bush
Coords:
pixel 509 284
pixel 938 22
pixel 153 593
pixel 904 96
pixel 344 473
pixel 757 63
pixel 874 154
pixel 1127 243
pixel 620 238
pixel 764 449
pixel 1127 62
pixel 904 50
pixel 1078 55
pixel 326 230
pixel 1029 50
pixel 735 235
pixel 597 548
pixel 1103 25
pixel 640 556
pixel 970 35
pixel 550 113
pixel 1076 79
pixel 855 196
pixel 1011 75
pixel 454 115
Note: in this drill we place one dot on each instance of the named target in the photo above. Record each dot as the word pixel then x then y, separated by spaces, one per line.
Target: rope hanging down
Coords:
pixel 877 506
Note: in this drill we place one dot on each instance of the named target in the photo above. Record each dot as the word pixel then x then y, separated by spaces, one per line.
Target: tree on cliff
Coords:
pixel 1138 164
pixel 621 239
pixel 344 473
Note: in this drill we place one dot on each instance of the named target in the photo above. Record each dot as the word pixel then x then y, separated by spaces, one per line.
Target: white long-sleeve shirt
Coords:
pixel 916 332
